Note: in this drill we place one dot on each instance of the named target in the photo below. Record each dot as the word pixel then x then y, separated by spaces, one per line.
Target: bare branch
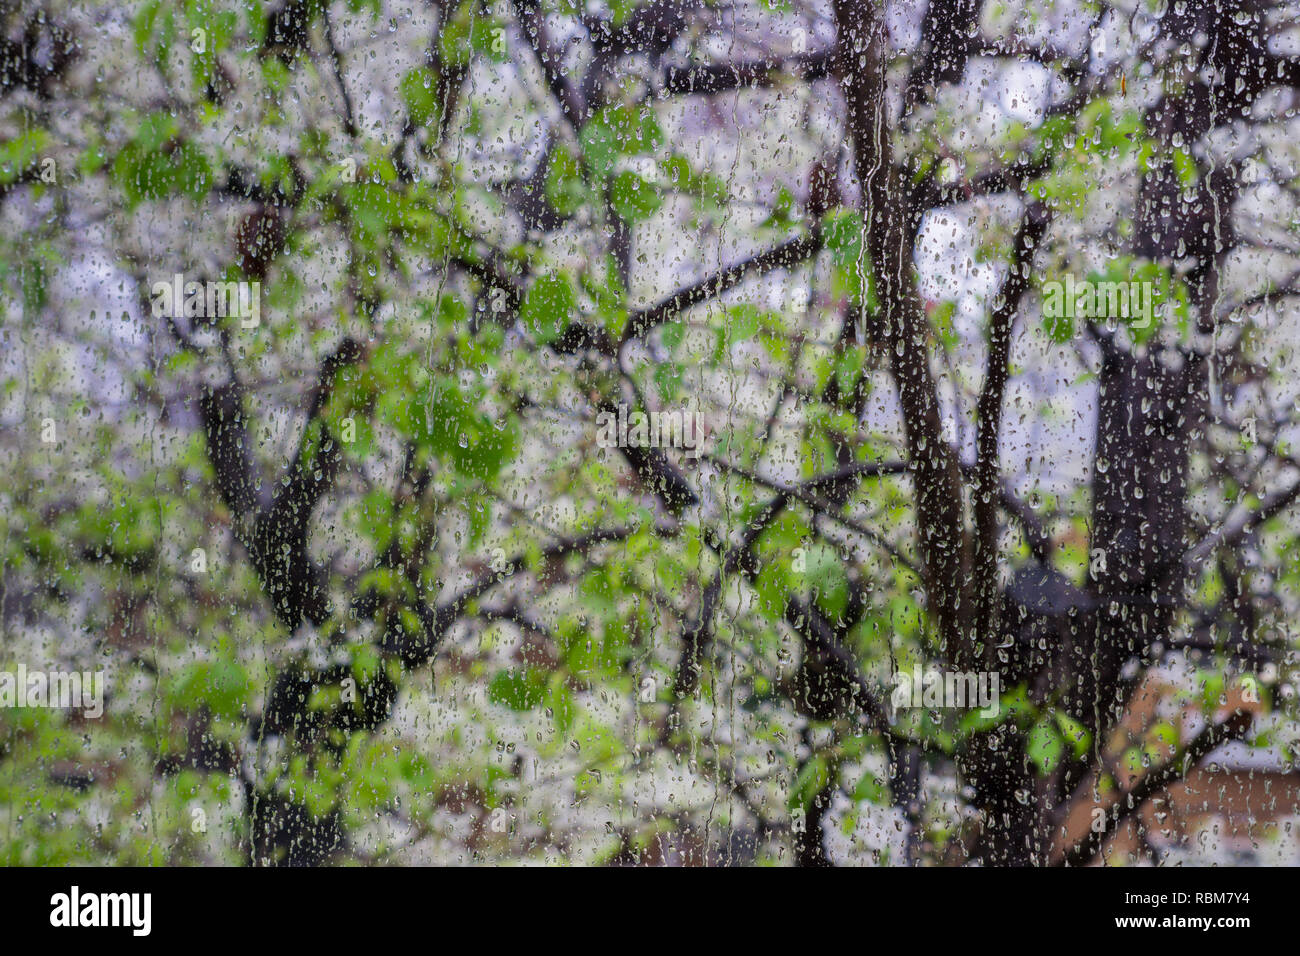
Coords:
pixel 709 78
pixel 783 256
pixel 551 61
pixel 1240 525
pixel 1124 805
pixel 987 481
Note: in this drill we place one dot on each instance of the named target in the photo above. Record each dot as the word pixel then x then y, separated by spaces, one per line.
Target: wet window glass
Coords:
pixel 649 432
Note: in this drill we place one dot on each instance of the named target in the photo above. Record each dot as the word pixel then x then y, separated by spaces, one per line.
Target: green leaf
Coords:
pixel 222 686
pixel 618 131
pixel 548 306
pixel 1075 733
pixel 871 789
pixel 21 152
pixel 1045 746
pixel 842 230
pixel 1059 328
pixel 1015 706
pixel 518 690
pixel 419 89
pixel 672 334
pixel 828 580
pixel 1185 167
pixel 565 189
pixel 457 431
pixel 633 198
pixel 812 779
pixel 154 166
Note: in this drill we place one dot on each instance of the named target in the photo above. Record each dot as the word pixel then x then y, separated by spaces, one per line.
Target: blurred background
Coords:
pixel 366 586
